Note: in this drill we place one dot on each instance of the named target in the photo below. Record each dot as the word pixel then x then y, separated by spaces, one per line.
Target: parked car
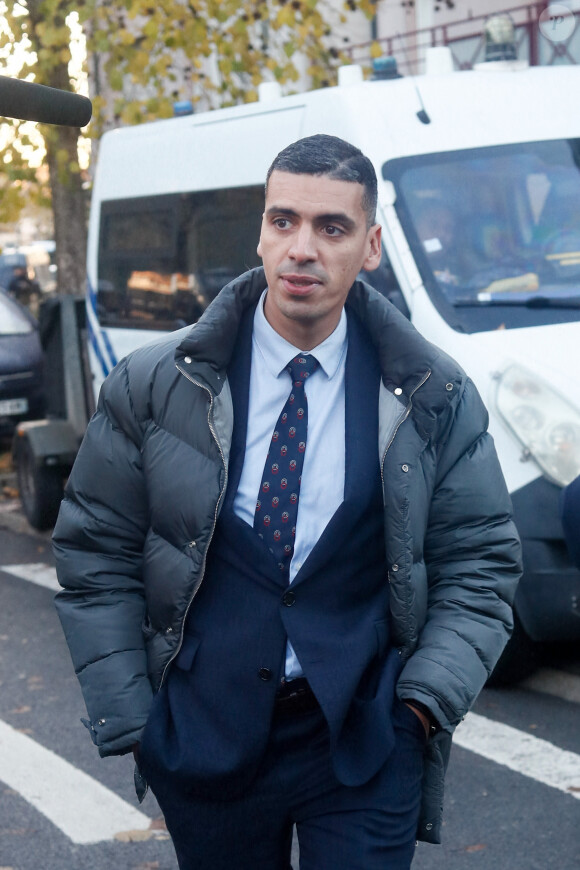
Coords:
pixel 21 366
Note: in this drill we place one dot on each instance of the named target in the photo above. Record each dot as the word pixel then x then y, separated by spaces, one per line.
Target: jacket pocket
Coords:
pixel 186 654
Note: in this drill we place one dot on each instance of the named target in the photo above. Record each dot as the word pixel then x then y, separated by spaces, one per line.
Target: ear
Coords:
pixel 373 257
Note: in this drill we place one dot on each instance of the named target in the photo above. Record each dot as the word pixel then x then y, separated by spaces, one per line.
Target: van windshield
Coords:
pixel 495 231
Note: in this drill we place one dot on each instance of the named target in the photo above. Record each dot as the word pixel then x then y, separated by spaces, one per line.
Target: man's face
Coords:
pixel 313 243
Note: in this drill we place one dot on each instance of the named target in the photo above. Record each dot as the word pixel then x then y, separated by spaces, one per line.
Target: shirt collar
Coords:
pixel 277 352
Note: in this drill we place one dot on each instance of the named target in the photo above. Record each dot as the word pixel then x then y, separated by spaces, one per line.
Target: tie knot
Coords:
pixel 301 367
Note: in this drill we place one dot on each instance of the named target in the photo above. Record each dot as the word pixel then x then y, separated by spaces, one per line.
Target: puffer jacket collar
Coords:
pixel 406 358
pixel 206 350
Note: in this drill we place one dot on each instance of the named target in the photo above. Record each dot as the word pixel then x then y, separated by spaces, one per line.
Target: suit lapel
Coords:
pixel 239 379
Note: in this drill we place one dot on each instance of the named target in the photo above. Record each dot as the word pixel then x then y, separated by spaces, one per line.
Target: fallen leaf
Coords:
pixel 34 683
pixel 478 848
pixel 133 836
pixel 158 824
pixel 148 865
pixel 570 788
pixel 24 709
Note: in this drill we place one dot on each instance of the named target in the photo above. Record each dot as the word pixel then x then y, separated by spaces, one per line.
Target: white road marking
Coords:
pixel 35 572
pixel 84 810
pixel 514 749
pixel 521 752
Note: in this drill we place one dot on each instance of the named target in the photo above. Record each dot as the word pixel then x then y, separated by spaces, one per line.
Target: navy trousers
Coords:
pixel 339 827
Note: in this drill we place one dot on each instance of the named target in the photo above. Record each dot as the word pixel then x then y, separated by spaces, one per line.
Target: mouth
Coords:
pixel 300 285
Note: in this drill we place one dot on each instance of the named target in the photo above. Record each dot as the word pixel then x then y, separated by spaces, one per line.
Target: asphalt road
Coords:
pixel 512 798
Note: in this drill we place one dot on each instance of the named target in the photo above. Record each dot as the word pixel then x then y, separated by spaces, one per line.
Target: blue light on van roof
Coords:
pixel 385 68
pixel 183 107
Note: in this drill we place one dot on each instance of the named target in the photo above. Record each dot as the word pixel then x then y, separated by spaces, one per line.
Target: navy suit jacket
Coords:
pixel 210 722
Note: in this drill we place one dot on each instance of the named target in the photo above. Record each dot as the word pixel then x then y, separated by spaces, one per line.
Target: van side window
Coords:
pixel 385 281
pixel 162 259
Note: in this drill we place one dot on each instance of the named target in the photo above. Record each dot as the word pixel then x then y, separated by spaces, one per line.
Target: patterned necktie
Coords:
pixel 277 505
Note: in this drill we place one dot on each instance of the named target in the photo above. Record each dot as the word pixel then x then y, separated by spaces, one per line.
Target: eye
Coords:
pixel 281 223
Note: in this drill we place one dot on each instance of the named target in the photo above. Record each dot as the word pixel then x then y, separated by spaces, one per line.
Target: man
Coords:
pixel 22 288
pixel 437 231
pixel 284 592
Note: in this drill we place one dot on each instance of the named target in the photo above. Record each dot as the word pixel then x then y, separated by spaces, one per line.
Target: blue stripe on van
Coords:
pixel 92 302
pixel 97 349
pixel 109 347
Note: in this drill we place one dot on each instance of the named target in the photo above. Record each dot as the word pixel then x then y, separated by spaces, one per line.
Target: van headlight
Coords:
pixel 546 424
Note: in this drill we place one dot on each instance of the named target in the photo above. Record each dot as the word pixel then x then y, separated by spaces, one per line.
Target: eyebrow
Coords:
pixel 335 217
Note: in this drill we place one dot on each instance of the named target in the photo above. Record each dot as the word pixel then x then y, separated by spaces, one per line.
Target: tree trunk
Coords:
pixel 69 201
pixel 69 207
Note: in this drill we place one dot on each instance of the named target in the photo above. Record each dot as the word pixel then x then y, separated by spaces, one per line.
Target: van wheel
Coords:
pixel 41 488
pixel 519 659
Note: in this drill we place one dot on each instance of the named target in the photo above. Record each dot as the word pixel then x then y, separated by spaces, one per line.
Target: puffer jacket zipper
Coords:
pixel 401 420
pixel 223 489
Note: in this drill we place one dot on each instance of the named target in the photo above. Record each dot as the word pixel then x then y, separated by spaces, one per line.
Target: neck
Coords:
pixel 303 335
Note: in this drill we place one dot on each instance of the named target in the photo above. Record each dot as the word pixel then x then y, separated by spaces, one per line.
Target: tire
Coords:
pixel 41 489
pixel 519 659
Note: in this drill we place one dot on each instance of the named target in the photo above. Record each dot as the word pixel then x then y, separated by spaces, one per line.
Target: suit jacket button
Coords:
pixel 265 674
pixel 289 599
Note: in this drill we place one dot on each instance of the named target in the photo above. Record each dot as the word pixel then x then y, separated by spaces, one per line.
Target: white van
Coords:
pixel 479 185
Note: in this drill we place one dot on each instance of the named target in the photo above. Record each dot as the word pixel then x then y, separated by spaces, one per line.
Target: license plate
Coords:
pixel 13 406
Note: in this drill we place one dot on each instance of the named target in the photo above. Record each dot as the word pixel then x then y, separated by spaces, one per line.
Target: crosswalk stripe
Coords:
pixel 503 744
pixel 35 572
pixel 82 808
pixel 521 752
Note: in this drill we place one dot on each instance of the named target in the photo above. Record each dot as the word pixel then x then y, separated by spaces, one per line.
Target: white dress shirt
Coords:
pixel 322 486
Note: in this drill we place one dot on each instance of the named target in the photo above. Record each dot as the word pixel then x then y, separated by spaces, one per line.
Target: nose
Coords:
pixel 303 248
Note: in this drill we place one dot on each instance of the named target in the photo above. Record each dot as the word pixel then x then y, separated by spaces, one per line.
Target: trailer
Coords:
pixel 43 451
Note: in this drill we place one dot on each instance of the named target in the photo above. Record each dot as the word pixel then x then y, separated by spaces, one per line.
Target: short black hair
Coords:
pixel 328 155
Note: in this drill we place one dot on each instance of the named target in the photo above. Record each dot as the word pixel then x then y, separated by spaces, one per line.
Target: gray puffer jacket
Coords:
pixel 142 501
